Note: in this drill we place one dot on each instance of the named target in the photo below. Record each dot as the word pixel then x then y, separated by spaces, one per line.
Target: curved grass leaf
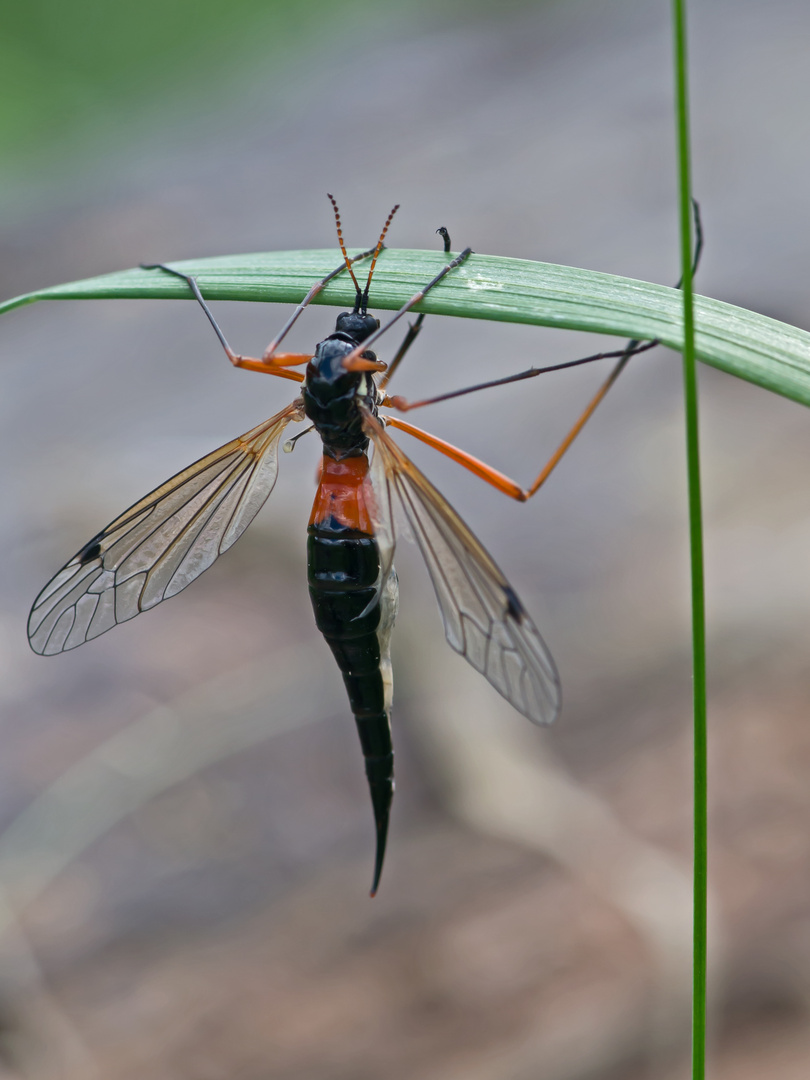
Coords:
pixel 771 354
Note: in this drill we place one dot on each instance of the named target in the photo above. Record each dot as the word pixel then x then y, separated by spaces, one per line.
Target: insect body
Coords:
pixel 162 543
pixel 352 584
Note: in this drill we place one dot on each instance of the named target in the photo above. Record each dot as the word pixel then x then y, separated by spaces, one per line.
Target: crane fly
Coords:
pixel 161 544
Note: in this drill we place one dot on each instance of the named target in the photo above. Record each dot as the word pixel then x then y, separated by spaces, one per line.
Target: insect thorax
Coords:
pixel 333 397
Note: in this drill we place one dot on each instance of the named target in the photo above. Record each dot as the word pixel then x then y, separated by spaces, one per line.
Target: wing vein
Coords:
pixel 482 617
pixel 162 543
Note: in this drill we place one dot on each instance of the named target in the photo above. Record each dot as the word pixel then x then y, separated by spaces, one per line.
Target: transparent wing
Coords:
pixel 483 618
pixel 162 543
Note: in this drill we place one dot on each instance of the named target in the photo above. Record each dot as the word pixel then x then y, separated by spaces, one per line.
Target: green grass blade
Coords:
pixel 700 780
pixel 771 354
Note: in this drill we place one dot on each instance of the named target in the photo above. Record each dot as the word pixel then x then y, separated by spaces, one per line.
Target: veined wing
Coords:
pixel 483 618
pixel 162 543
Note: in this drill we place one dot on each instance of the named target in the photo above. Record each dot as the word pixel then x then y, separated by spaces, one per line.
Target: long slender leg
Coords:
pixel 313 292
pixel 276 365
pixel 492 476
pixel 410 338
pixel 348 363
pixel 497 479
pixel 630 349
pixel 556 457
pixel 271 363
pixel 414 328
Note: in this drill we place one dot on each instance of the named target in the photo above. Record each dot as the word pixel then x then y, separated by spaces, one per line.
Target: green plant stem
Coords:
pixel 696 545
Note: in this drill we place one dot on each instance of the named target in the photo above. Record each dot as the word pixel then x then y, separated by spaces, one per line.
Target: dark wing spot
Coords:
pixel 513 605
pixel 90 551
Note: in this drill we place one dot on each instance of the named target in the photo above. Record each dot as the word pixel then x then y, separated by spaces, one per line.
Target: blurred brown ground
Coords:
pixel 533 919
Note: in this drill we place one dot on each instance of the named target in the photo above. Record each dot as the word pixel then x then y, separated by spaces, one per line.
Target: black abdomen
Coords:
pixel 344 586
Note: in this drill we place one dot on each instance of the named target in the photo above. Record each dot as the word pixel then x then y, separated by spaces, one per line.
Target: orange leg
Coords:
pixel 361 363
pixel 271 363
pixel 275 365
pixel 630 349
pixel 479 468
pixel 313 292
pixel 492 476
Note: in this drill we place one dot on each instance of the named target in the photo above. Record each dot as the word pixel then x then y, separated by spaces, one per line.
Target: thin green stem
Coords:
pixel 696 546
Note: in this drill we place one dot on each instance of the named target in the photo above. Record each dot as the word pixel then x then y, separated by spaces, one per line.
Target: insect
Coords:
pixel 161 544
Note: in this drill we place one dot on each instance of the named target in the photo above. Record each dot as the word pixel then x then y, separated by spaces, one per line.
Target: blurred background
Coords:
pixel 187 838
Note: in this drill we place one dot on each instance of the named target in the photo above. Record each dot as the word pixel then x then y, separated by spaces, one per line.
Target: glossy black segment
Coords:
pixel 360 655
pixel 366 696
pixel 345 606
pixel 375 739
pixel 380 773
pixel 343 614
pixel 336 416
pixel 334 397
pixel 343 572
pixel 340 561
pixel 358 326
